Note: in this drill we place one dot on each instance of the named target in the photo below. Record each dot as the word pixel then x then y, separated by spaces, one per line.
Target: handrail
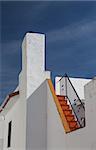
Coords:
pixel 74 90
pixel 79 114
pixel 74 112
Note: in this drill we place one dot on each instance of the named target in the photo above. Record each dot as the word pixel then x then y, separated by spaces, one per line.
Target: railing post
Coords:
pixel 67 80
pixel 66 85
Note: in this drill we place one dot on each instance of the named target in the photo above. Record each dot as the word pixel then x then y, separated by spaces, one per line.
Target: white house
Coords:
pixel 37 117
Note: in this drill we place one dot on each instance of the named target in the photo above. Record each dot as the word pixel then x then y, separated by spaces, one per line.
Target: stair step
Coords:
pixel 64 102
pixel 70 118
pixel 67 112
pixel 74 128
pixel 61 97
pixel 73 124
pixel 65 107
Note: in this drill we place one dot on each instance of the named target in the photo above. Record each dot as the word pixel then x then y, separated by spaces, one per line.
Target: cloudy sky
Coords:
pixel 70 29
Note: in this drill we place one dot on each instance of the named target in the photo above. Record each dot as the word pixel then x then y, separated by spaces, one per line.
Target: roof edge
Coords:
pixel 7 100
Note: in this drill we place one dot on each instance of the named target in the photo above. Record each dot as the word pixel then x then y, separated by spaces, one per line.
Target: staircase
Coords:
pixel 73 124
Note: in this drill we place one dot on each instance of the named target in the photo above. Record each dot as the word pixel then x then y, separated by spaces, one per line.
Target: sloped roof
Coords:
pixel 8 99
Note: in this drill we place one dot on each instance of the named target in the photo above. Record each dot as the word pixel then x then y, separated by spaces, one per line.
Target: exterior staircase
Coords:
pixel 68 116
pixel 73 124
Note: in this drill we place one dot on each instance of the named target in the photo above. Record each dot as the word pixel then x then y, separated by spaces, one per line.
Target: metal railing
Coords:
pixel 67 89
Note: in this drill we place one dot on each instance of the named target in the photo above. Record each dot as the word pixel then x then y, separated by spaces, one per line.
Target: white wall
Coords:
pixel 1 127
pixel 33 72
pixel 1 132
pixel 55 130
pixel 82 139
pixel 36 129
pixel 78 84
pixel 16 115
pixel 1 144
pixel 57 85
pixel 90 95
pixel 33 61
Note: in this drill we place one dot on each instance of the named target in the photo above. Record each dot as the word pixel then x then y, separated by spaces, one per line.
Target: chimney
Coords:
pixel 33 62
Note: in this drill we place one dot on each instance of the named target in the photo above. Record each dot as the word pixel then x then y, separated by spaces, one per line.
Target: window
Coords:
pixel 9 134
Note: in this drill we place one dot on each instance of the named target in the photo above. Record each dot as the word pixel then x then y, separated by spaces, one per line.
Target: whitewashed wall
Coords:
pixel 57 85
pixel 78 84
pixel 90 96
pixel 1 144
pixel 1 132
pixel 15 114
pixel 1 127
pixel 36 129
pixel 32 76
pixel 33 61
pixel 82 139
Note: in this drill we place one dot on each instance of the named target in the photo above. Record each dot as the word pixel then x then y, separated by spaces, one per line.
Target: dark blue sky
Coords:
pixel 70 29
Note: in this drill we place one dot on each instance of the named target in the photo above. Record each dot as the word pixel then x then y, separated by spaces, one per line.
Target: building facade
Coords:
pixel 37 116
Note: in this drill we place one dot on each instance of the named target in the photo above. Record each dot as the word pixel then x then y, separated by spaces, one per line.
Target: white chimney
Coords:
pixel 33 62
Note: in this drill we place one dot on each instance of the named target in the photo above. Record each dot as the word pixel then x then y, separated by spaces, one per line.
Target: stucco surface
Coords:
pixel 33 61
pixel 82 139
pixel 36 129
pixel 78 84
pixel 15 115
